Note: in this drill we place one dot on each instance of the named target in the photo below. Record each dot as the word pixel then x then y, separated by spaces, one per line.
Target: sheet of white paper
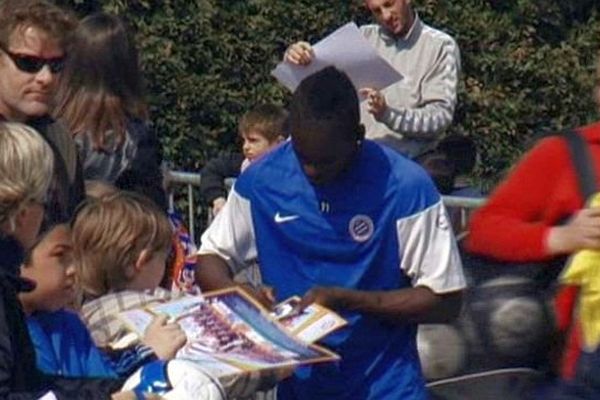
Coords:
pixel 347 50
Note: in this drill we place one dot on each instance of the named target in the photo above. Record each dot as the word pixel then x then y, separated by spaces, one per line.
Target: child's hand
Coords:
pixel 164 338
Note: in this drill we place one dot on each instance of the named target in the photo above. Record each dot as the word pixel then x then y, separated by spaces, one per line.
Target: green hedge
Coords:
pixel 527 65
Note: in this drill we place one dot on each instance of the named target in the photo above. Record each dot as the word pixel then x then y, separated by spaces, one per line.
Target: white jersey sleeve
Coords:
pixel 231 234
pixel 429 253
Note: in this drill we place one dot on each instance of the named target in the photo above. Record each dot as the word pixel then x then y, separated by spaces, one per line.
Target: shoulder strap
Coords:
pixel 582 160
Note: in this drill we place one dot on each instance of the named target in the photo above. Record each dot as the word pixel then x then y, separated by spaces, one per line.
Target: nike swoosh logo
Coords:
pixel 280 219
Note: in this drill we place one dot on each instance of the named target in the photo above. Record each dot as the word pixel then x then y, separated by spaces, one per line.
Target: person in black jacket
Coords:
pixel 26 162
pixel 260 129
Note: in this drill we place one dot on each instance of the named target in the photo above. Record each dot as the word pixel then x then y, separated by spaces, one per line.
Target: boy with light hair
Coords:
pixel 62 342
pixel 121 243
pixel 261 129
pixel 26 163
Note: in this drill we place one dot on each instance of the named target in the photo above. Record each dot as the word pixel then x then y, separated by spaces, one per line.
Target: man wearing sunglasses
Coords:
pixel 32 54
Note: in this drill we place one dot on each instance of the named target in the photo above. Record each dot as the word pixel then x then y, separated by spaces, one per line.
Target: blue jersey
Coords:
pixel 63 346
pixel 367 230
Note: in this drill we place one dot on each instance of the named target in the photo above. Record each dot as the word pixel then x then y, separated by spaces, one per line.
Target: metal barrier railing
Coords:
pixel 191 180
pixel 460 209
pixel 463 204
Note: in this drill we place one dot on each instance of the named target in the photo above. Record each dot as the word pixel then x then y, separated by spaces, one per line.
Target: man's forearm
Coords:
pixel 414 305
pixel 422 123
pixel 437 99
pixel 212 273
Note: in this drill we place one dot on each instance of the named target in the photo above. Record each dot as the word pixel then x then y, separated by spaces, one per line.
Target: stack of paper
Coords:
pixel 347 50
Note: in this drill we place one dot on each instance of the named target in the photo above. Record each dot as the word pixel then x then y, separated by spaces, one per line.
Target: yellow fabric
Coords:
pixel 583 270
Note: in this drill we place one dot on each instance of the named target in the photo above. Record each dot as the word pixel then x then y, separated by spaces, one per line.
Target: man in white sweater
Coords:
pixel 410 114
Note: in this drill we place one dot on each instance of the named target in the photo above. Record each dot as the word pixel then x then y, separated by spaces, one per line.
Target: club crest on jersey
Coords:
pixel 361 228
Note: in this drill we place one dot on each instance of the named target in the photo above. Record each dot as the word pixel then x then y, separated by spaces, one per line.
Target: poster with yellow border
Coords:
pixel 229 333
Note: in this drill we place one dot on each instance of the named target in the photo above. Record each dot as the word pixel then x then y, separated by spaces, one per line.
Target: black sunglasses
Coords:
pixel 33 64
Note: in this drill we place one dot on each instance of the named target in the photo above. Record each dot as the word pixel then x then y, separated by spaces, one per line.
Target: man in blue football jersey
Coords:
pixel 349 224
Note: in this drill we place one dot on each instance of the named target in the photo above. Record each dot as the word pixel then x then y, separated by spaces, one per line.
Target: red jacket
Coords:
pixel 539 192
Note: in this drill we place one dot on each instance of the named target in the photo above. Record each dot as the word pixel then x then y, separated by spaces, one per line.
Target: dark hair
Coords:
pixel 325 96
pixel 460 151
pixel 56 22
pixel 268 119
pixel 441 170
pixel 101 87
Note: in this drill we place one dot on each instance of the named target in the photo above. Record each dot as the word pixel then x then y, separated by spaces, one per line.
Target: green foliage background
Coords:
pixel 528 65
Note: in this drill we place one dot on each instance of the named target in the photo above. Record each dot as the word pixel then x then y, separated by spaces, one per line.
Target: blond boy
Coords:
pixel 121 243
pixel 260 129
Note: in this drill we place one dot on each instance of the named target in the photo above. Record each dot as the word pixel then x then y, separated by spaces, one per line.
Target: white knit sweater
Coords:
pixel 422 104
